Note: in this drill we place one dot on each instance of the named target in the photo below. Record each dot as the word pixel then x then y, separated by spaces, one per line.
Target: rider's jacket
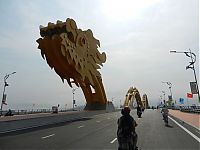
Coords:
pixel 165 111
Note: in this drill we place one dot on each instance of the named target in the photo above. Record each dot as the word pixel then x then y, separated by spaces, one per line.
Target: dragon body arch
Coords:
pixel 132 95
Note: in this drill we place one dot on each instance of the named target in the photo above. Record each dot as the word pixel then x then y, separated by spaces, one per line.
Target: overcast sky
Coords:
pixel 136 35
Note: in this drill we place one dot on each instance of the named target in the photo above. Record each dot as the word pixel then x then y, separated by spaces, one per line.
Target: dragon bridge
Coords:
pixel 132 95
pixel 74 56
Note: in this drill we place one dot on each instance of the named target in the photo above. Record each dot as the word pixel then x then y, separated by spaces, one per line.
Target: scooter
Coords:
pixel 165 118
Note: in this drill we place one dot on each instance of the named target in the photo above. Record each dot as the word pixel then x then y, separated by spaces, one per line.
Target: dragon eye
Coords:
pixel 83 41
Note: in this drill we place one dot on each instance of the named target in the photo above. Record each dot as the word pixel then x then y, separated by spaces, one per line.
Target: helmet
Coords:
pixel 127 110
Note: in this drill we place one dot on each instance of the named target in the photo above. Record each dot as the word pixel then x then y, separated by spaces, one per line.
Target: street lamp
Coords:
pixel 170 88
pixel 4 88
pixel 73 100
pixel 190 66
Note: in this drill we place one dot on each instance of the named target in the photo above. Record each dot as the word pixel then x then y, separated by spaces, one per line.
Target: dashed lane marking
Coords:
pixel 80 127
pixel 186 130
pixel 98 121
pixel 113 140
pixel 44 137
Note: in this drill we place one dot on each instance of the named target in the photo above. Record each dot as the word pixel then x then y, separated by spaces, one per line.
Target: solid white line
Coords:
pixel 80 126
pixel 190 125
pixel 48 136
pixel 113 140
pixel 186 130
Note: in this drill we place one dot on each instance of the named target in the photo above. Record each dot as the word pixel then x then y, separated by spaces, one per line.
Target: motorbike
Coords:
pixel 165 118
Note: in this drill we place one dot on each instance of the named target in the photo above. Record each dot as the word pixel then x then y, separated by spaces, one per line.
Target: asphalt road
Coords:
pixel 99 132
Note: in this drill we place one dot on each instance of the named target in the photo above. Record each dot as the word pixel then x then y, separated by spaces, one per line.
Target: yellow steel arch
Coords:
pixel 132 95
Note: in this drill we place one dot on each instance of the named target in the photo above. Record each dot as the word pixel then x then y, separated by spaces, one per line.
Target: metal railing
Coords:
pixel 189 109
pixel 37 111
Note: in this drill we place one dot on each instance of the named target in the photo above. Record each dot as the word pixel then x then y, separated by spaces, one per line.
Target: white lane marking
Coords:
pixel 189 124
pixel 80 127
pixel 98 121
pixel 44 137
pixel 113 140
pixel 108 118
pixel 186 130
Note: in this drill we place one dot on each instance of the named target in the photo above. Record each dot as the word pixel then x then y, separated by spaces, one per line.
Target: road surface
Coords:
pixel 99 132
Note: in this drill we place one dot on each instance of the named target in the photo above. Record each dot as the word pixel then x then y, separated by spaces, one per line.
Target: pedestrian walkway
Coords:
pixel 190 118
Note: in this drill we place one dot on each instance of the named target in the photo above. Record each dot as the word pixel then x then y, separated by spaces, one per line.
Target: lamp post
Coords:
pixel 4 89
pixel 170 88
pixel 73 100
pixel 191 66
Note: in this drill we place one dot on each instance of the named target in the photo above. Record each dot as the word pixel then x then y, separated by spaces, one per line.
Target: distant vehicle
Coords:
pixel 9 113
pixel 55 109
pixel 164 112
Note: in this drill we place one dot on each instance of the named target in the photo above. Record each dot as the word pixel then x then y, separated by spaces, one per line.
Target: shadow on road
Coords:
pixel 53 125
pixel 169 126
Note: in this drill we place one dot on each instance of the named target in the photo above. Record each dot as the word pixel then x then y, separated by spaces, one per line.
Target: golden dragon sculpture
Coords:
pixel 132 95
pixel 73 54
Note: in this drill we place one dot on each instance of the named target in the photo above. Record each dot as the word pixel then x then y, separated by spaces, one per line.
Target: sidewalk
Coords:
pixel 190 118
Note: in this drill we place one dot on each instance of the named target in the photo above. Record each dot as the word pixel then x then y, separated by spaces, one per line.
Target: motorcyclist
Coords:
pixel 9 113
pixel 126 135
pixel 165 112
pixel 139 111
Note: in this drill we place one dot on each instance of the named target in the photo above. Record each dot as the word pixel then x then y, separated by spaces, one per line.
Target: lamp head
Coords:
pixel 173 51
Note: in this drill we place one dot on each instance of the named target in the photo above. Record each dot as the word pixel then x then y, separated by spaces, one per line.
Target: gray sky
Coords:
pixel 136 35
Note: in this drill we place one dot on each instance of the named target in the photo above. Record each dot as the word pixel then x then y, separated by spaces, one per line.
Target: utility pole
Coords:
pixel 73 100
pixel 170 89
pixel 4 89
pixel 191 66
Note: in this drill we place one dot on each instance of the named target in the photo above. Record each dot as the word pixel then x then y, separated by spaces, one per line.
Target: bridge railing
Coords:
pixel 189 109
pixel 37 111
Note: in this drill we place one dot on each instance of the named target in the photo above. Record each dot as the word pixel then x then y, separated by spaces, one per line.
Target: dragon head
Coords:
pixel 72 53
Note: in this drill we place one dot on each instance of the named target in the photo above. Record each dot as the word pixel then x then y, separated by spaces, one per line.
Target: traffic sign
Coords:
pixel 193 86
